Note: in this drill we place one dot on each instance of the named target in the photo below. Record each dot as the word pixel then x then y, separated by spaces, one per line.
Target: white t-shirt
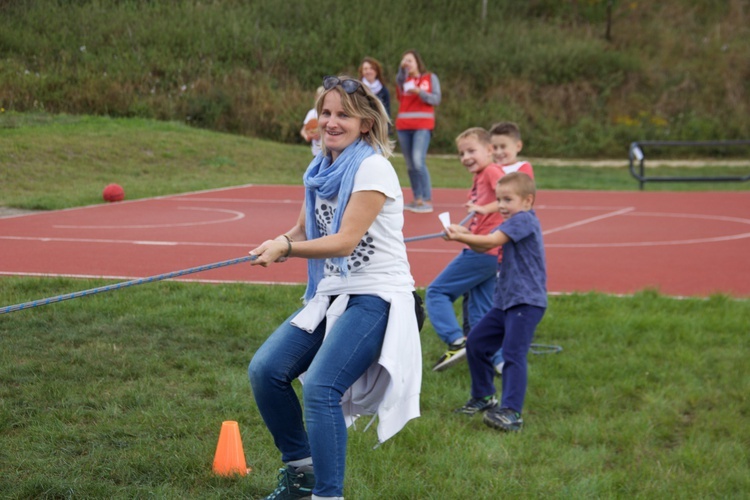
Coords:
pixel 379 262
pixel 315 143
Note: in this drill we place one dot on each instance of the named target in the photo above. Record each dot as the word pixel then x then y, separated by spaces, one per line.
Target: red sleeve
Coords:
pixel 526 169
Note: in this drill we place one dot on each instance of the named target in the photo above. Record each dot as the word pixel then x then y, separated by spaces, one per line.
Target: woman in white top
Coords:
pixel 358 298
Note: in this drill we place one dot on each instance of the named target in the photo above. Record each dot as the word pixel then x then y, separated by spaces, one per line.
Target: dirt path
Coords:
pixel 7 211
pixel 620 163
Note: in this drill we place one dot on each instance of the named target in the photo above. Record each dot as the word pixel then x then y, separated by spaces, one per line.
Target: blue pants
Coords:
pixel 352 345
pixel 513 330
pixel 414 145
pixel 497 358
pixel 470 272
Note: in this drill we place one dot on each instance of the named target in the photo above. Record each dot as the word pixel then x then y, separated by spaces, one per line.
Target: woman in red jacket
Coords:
pixel 418 92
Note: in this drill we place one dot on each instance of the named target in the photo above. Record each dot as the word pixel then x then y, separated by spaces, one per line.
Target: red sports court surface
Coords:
pixel 682 244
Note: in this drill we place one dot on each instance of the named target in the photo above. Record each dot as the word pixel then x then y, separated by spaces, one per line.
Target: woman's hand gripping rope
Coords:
pixel 276 250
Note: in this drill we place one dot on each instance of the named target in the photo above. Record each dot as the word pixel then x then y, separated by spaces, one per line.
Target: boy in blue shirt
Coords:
pixel 519 304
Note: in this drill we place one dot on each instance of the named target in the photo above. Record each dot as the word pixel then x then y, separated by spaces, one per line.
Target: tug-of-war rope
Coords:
pixel 535 348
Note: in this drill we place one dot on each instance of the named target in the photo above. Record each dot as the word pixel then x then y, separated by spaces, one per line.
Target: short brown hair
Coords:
pixel 506 128
pixel 481 134
pixel 522 182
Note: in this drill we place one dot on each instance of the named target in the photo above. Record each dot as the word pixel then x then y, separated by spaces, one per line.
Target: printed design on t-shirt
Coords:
pixel 324 217
pixel 364 250
pixel 362 253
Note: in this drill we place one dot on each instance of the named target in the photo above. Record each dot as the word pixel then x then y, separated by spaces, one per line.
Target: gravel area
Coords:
pixel 7 211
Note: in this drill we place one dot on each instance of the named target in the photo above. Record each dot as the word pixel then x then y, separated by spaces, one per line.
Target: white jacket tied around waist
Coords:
pixel 390 387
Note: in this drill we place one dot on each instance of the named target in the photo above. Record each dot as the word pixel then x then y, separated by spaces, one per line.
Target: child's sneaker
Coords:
pixel 455 353
pixel 476 405
pixel 504 419
pixel 294 483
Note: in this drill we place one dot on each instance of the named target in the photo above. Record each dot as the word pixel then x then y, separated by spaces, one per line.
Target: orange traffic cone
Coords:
pixel 230 458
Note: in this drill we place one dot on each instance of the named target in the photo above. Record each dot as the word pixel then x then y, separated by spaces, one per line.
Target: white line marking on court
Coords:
pixel 598 208
pixel 589 220
pixel 724 218
pixel 628 212
pixel 692 241
pixel 130 242
pixel 156 243
pixel 235 217
pixel 237 200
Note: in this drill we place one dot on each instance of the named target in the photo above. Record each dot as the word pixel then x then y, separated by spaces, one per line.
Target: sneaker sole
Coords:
pixel 502 427
pixel 455 359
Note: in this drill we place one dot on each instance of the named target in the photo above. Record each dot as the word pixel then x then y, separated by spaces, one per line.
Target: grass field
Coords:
pixel 122 394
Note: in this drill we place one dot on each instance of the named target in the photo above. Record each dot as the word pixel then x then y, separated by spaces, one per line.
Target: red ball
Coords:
pixel 113 192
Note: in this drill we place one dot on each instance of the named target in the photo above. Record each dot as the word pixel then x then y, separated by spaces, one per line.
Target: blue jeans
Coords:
pixel 414 146
pixel 513 330
pixel 351 346
pixel 470 272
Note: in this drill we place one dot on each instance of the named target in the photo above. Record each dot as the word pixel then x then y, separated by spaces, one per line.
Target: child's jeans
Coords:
pixel 513 330
pixel 471 272
pixel 351 346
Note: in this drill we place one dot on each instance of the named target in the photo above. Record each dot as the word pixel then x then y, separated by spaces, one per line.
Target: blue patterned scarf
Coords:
pixel 328 181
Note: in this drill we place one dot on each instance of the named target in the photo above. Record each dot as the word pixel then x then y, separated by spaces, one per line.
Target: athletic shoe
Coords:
pixel 410 206
pixel 455 353
pixel 294 484
pixel 476 405
pixel 504 419
pixel 424 208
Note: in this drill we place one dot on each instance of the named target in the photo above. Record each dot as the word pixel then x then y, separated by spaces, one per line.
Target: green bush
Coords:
pixel 251 67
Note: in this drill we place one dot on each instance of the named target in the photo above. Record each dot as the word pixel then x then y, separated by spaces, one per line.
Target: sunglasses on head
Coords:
pixel 349 85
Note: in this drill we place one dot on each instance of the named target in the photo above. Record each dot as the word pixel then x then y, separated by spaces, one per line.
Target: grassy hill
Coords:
pixel 583 78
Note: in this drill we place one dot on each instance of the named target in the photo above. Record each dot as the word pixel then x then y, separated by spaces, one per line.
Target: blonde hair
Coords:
pixel 478 132
pixel 521 183
pixel 365 105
